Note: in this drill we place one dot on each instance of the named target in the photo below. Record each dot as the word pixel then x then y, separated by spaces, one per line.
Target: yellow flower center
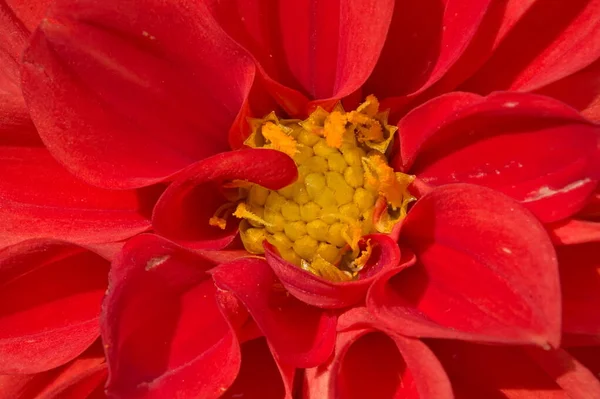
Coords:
pixel 345 190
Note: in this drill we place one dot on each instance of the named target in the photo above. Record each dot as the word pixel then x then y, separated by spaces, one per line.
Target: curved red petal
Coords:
pixel 573 231
pixel 50 304
pixel 309 49
pixel 260 377
pixel 580 284
pixel 513 372
pixel 41 199
pixel 322 293
pixel 369 362
pixel 486 271
pixel 183 211
pixel 426 38
pixel 300 335
pixel 156 345
pixel 126 83
pixel 532 148
pixel 77 379
pixel 538 47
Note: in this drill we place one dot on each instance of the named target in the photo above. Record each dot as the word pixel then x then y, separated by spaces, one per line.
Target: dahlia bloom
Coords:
pixel 309 199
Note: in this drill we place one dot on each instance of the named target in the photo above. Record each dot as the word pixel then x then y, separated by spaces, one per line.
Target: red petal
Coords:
pixel 260 376
pixel 124 83
pixel 183 211
pixel 547 43
pixel 309 48
pixel 531 148
pixel 486 271
pixel 300 335
pixel 75 380
pixel 50 303
pixel 580 90
pixel 156 344
pixel 41 199
pixel 330 295
pixel 426 38
pixel 574 231
pixel 479 371
pixel 580 283
pixel 370 363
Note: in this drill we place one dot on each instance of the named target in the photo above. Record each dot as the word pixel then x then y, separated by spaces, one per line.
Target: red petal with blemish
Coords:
pixel 309 49
pixel 300 335
pixel 580 284
pixel 529 147
pixel 55 204
pixel 486 271
pixel 261 376
pixel 322 293
pixel 99 84
pixel 49 304
pixel 157 344
pixel 514 372
pixel 183 211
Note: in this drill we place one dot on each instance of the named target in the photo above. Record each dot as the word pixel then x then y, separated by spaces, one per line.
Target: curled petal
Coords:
pixel 514 372
pixel 185 208
pixel 261 375
pixel 580 284
pixel 326 294
pixel 309 49
pixel 49 304
pixel 371 363
pixel 52 203
pixel 534 45
pixel 83 377
pixel 99 84
pixel 486 271
pixel 530 147
pixel 156 343
pixel 300 335
pixel 417 54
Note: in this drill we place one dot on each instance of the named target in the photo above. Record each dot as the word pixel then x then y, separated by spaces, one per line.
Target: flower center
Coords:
pixel 345 190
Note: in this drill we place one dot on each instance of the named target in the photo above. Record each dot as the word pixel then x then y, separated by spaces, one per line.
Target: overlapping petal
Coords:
pixel 300 335
pixel 486 271
pixel 49 304
pixel 183 211
pixel 326 294
pixel 163 329
pixel 99 83
pixel 309 49
pixel 529 147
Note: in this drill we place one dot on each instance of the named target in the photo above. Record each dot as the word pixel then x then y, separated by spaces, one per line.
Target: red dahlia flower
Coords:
pixel 307 199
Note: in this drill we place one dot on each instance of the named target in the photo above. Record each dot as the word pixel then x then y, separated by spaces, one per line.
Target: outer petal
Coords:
pixel 261 376
pixel 426 38
pixel 300 335
pixel 184 210
pixel 326 294
pixel 39 198
pixel 309 49
pixel 479 371
pixel 78 379
pixel 580 283
pixel 532 148
pixel 50 304
pixel 156 343
pixel 99 84
pixel 486 271
pixel 538 47
pixel 370 363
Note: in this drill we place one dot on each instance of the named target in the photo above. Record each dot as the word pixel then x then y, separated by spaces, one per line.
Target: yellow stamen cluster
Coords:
pixel 317 222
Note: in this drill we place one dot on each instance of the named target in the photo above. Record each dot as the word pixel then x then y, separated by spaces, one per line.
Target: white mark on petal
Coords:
pixel 148 35
pixel 511 104
pixel 157 261
pixel 506 250
pixel 546 191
